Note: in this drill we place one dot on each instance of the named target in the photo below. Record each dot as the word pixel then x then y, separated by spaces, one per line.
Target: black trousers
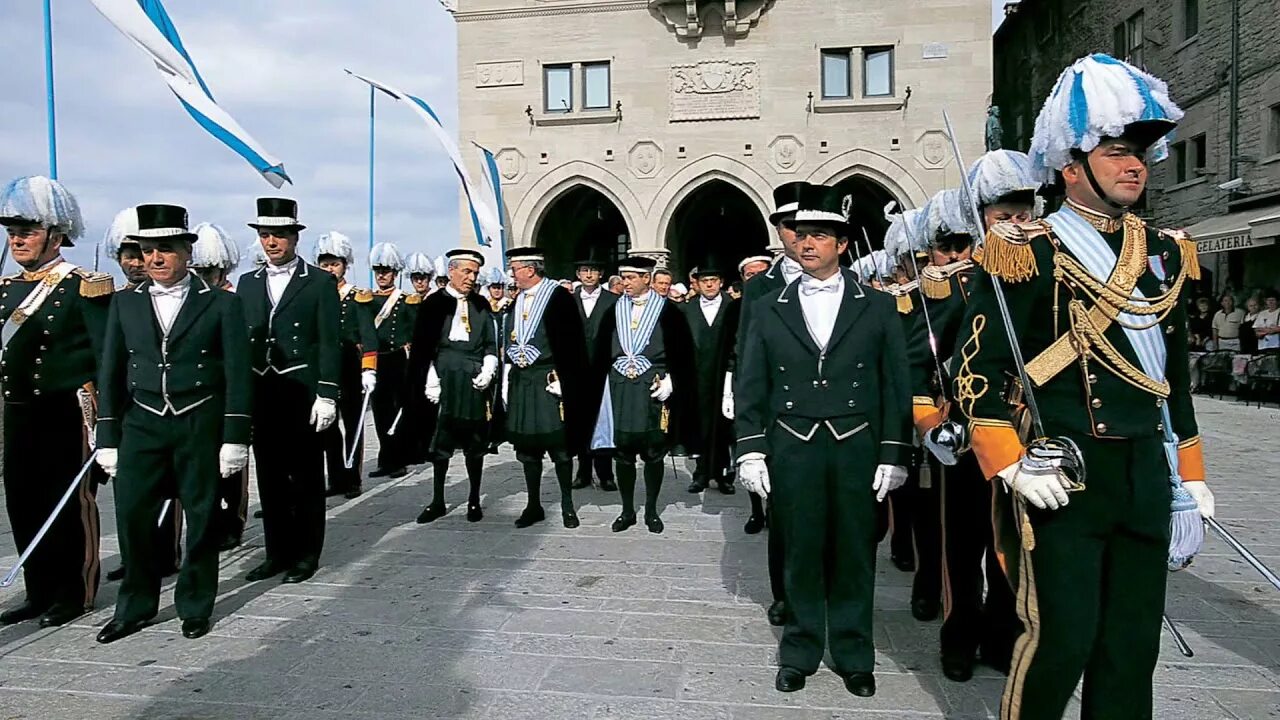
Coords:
pixel 290 469
pixel 44 447
pixel 970 618
pixel 388 405
pixel 233 503
pixel 600 460
pixel 336 439
pixel 822 496
pixel 1091 591
pixel 924 495
pixel 160 458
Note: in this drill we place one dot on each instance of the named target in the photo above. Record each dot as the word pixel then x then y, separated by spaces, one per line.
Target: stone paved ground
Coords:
pixel 456 620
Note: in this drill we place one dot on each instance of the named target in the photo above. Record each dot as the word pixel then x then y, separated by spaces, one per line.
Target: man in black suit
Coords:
pixel 291 309
pixel 713 323
pixel 823 390
pixel 174 408
pixel 594 303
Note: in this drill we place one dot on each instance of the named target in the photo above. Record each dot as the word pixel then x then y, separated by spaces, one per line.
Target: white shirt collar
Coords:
pixel 449 289
pixel 288 267
pixel 177 288
pixel 587 295
pixel 713 301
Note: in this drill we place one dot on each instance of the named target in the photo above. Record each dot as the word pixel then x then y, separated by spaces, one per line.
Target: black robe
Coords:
pixel 713 355
pixel 434 318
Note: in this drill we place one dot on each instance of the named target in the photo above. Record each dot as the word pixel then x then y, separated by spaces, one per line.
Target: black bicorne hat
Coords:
pixel 162 222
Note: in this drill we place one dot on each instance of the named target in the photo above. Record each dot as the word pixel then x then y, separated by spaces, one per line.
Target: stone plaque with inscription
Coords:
pixel 715 90
pixel 500 74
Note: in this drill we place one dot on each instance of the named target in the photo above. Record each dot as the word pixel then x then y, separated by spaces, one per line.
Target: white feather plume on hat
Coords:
pixel 213 248
pixel 335 244
pixel 879 264
pixel 1097 97
pixel 39 199
pixel 905 234
pixel 1000 173
pixel 948 213
pixel 124 224
pixel 442 266
pixel 419 264
pixel 386 255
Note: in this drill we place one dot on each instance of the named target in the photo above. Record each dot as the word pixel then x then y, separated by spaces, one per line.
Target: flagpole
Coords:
pixel 371 159
pixel 48 82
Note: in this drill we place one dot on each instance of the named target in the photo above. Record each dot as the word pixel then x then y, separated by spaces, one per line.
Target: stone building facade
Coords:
pixel 1231 131
pixel 663 125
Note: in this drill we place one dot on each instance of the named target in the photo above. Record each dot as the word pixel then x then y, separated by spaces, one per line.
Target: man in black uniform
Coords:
pixel 125 250
pixel 358 373
pixel 594 304
pixel 644 357
pixel 822 389
pixel 1097 301
pixel 175 418
pixel 713 324
pixel 53 317
pixel 545 387
pixel 291 309
pixel 394 325
pixel 454 364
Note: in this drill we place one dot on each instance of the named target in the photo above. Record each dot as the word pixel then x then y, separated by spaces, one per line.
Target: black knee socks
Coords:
pixel 653 472
pixel 626 471
pixel 441 469
pixel 475 465
pixel 533 483
pixel 564 476
pixel 757 505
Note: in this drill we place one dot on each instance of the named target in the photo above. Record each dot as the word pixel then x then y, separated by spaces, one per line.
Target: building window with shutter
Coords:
pixel 877 72
pixel 557 93
pixel 1128 40
pixel 596 92
pixel 836 73
pixel 1190 18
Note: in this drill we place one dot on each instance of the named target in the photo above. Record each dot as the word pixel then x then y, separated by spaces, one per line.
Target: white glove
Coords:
pixel 553 387
pixel 368 380
pixel 1198 489
pixel 888 478
pixel 506 384
pixel 323 413
pixel 487 370
pixel 433 386
pixel 232 458
pixel 754 474
pixel 664 389
pixel 109 460
pixel 726 404
pixel 1045 490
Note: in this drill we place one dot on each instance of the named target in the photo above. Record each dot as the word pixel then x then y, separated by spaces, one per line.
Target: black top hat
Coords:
pixel 162 222
pixel 277 213
pixel 595 257
pixel 822 205
pixel 637 264
pixel 465 254
pixel 712 265
pixel 785 200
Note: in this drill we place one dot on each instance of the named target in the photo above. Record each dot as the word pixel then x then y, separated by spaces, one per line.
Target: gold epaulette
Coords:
pixel 905 306
pixel 94 284
pixel 1007 252
pixel 934 283
pixel 364 296
pixel 1187 248
pixel 412 299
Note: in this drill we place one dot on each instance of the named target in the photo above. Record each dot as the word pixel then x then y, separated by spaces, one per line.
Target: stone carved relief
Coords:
pixel 688 18
pixel 500 74
pixel 645 159
pixel 714 90
pixel 786 153
pixel 932 149
pixel 510 162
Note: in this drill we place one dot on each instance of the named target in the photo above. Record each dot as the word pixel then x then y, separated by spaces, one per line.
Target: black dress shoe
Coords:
pixel 530 516
pixel 789 680
pixel 777 613
pixel 624 521
pixel 300 572
pixel 698 485
pixel 580 483
pixel 117 629
pixel 608 485
pixel 353 493
pixel 432 512
pixel 60 615
pixel 268 568
pixel 903 562
pixel 957 668
pixel 195 627
pixel 726 487
pixel 474 513
pixel 380 472
pixel 654 524
pixel 25 611
pixel 116 574
pixel 862 684
pixel 333 492
pixel 230 541
pixel 754 525
pixel 924 609
pixel 398 473
pixel 570 519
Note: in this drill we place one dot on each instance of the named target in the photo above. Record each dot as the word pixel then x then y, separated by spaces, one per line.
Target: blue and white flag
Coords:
pixel 491 189
pixel 146 23
pixel 487 219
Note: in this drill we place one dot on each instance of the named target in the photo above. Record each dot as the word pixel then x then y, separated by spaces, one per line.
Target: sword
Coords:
pixel 1239 547
pixel 1183 647
pixel 396 423
pixel 875 266
pixel 1061 451
pixel 48 523
pixel 164 510
pixel 355 438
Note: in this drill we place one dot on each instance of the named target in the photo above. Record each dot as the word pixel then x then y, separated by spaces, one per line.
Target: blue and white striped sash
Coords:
pixel 521 351
pixel 633 340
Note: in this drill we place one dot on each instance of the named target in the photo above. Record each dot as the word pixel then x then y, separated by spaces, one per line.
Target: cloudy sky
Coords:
pixel 277 67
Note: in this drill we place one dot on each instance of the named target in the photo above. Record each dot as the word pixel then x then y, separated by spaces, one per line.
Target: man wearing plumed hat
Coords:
pixel 358 375
pixel 175 410
pixel 420 269
pixel 392 310
pixel 291 308
pixel 53 315
pixel 453 367
pixel 1107 480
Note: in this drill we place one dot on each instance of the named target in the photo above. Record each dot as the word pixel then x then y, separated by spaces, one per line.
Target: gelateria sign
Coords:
pixel 1235 241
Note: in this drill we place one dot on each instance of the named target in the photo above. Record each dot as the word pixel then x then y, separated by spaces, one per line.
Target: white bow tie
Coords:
pixel 172 291
pixel 813 287
pixel 713 301
pixel 280 269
